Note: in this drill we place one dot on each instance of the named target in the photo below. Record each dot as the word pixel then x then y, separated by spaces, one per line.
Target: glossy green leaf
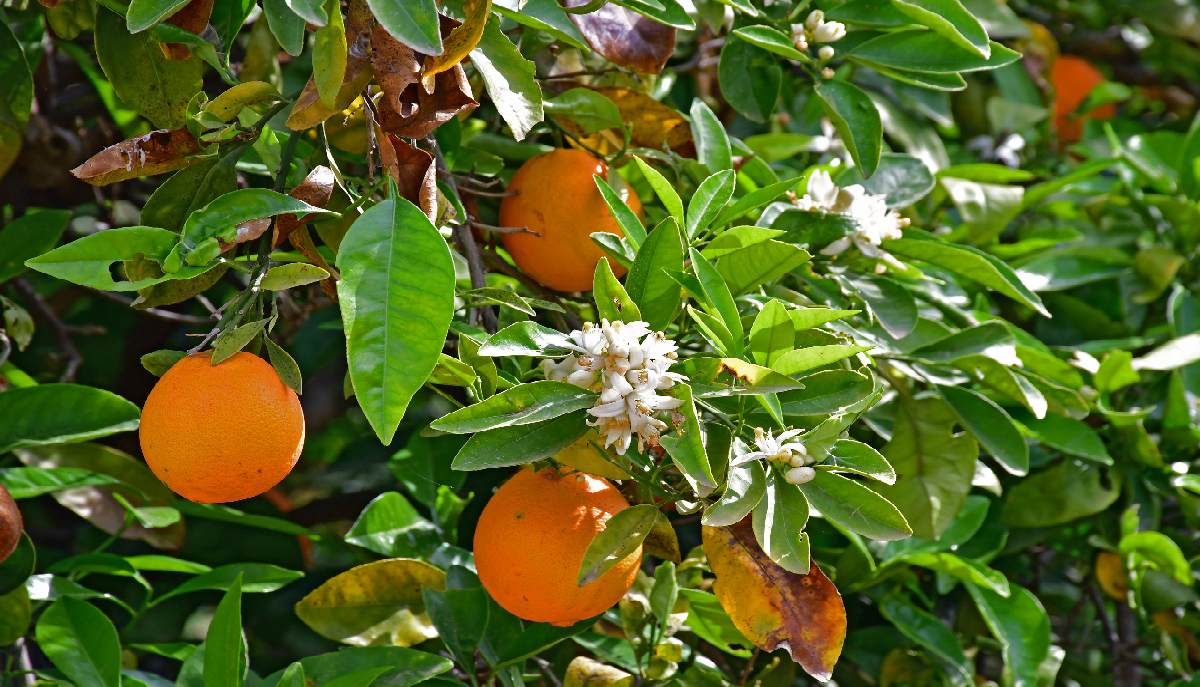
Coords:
pixel 649 285
pixel 520 444
pixel 225 652
pixel 412 22
pixel 779 520
pixel 81 642
pixel 635 232
pixel 666 192
pixel 1067 491
pixel 772 333
pixel 1021 625
pixel 218 221
pixel 928 631
pixel 848 455
pixel 613 302
pixel 390 526
pixel 712 143
pixel 28 237
pixel 34 417
pixel 507 75
pixel 805 359
pixel 87 261
pixel 856 120
pixel 745 486
pixel 949 19
pixel 926 51
pixel 708 200
pixel 760 264
pixel 622 535
pixel 524 404
pixel 686 445
pixel 526 338
pixel 991 425
pixel 856 507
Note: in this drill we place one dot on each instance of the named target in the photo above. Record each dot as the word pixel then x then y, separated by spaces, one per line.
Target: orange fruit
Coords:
pixel 554 196
pixel 530 542
pixel 11 524
pixel 220 433
pixel 1073 79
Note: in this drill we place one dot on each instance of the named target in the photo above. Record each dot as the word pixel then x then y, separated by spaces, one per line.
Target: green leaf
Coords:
pixel 159 89
pixel 928 631
pixel 901 179
pixel 1172 355
pixel 826 392
pixel 28 236
pixel 719 301
pixel 1023 628
pixel 87 261
pixel 17 99
pixel 707 202
pixel 760 264
pixel 750 79
pixel 286 25
pixel 526 338
pixel 708 619
pixel 967 262
pixel 591 110
pixel 848 455
pixel 648 283
pixel 685 444
pixel 81 642
pixel 951 20
pixel 771 40
pixel 285 366
pixel 231 341
pixel 772 333
pixel 1069 490
pixel 510 79
pixel 1116 372
pixel 991 425
pixel 312 11
pixel 33 416
pixel 612 300
pixel 856 120
pixel 407 667
pixel 745 486
pixel 158 362
pixel 412 22
pixel 293 676
pixel 256 578
pixel 749 202
pixel 391 527
pixel 855 507
pixel 329 57
pixel 807 318
pixel 282 277
pixel 779 520
pixel 934 465
pixel 1070 436
pixel 521 444
pixel 622 535
pixel 712 143
pixel 805 359
pixel 665 591
pixel 225 653
pixel 625 216
pixel 218 221
pixel 666 193
pixel 926 51
pixel 397 300
pixel 26 483
pixel 524 404
pixel 375 603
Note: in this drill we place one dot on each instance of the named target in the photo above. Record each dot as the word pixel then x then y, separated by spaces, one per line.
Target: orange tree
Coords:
pixel 605 342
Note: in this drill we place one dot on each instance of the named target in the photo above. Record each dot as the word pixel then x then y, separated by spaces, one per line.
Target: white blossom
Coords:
pixel 821 31
pixel 627 364
pixel 790 456
pixel 873 222
pixel 826 53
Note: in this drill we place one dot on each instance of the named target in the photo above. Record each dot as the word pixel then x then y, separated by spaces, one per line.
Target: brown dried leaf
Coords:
pixel 157 152
pixel 651 124
pixel 302 241
pixel 406 108
pixel 193 18
pixel 460 41
pixel 626 38
pixel 308 110
pixel 413 170
pixel 315 190
pixel 773 607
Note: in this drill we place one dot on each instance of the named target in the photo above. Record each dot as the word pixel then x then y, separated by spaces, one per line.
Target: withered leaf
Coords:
pixel 773 607
pixel 315 190
pixel 407 109
pixel 302 241
pixel 309 111
pixel 157 152
pixel 460 41
pixel 651 124
pixel 193 18
pixel 626 38
pixel 413 170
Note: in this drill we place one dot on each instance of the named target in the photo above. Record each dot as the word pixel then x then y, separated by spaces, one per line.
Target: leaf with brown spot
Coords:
pixel 309 111
pixel 316 189
pixel 651 124
pixel 157 152
pixel 193 18
pixel 460 42
pixel 407 109
pixel 626 38
pixel 773 607
pixel 413 170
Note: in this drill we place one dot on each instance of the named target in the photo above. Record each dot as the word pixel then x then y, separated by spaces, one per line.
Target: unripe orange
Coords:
pixel 530 542
pixel 555 198
pixel 220 433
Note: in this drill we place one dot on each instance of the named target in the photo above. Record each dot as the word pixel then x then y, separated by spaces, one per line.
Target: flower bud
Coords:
pixel 825 53
pixel 800 476
pixel 829 32
pixel 814 20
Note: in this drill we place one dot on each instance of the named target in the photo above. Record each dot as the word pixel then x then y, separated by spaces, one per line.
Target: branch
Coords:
pixel 61 330
pixel 158 313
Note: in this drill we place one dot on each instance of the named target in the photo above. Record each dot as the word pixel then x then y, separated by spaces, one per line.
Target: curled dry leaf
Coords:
pixel 315 190
pixel 625 37
pixel 773 607
pixel 193 18
pixel 408 109
pixel 460 41
pixel 157 152
pixel 651 124
pixel 412 169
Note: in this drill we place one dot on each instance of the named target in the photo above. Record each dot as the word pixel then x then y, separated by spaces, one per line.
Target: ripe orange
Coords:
pixel 530 541
pixel 554 196
pixel 220 433
pixel 1073 79
pixel 10 524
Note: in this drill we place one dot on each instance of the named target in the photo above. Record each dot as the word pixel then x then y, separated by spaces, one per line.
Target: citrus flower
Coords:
pixel 792 456
pixel 627 363
pixel 873 222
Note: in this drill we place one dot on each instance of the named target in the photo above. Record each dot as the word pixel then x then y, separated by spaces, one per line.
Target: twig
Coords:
pixel 504 230
pixel 470 249
pixel 61 331
pixel 544 666
pixel 749 667
pixel 158 313
pixel 26 664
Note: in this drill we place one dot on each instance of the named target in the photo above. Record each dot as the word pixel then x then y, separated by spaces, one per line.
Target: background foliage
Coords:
pixel 1000 399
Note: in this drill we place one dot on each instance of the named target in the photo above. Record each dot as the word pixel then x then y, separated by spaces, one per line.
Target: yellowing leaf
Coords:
pixel 461 41
pixel 227 105
pixel 589 455
pixel 773 607
pixel 651 124
pixel 377 604
pixel 330 57
pixel 1110 573
pixel 309 111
